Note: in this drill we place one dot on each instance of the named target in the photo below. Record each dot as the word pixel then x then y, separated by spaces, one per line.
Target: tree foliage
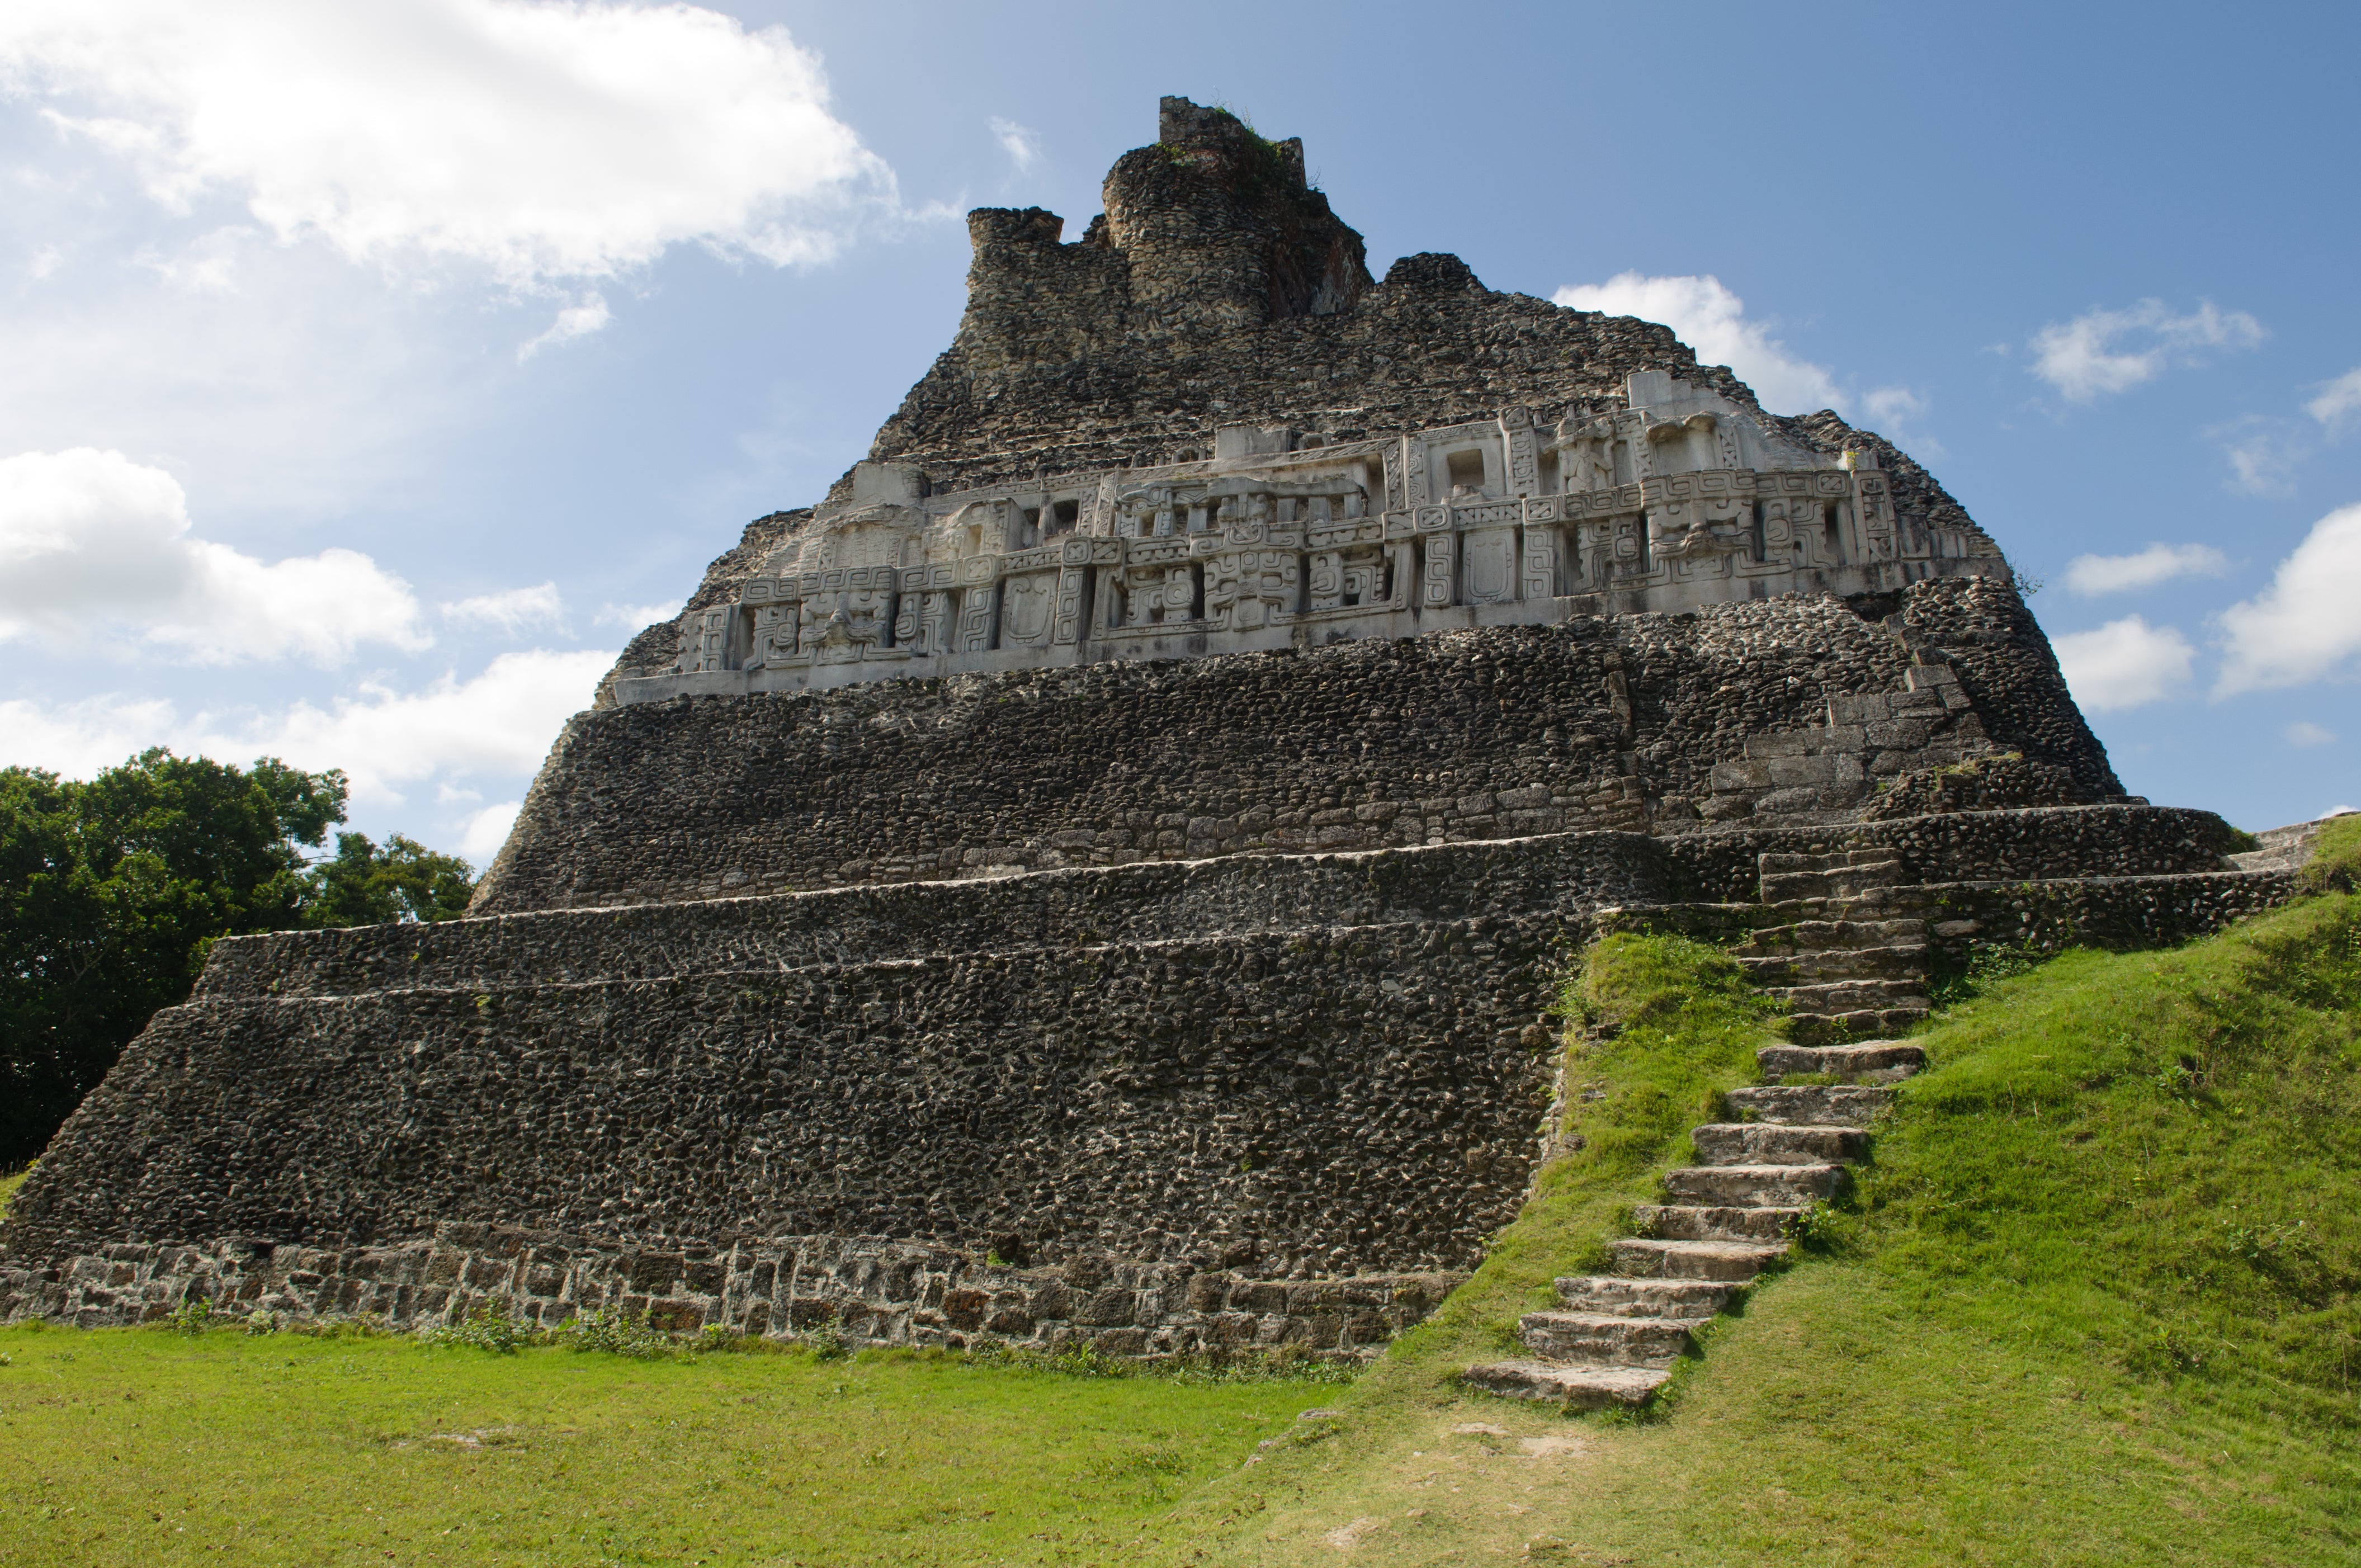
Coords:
pixel 113 890
pixel 365 885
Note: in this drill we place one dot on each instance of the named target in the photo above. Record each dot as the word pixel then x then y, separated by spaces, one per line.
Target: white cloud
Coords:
pixel 573 322
pixel 2092 575
pixel 1892 405
pixel 499 724
pixel 487 830
pixel 76 740
pixel 2101 352
pixel 2338 400
pixel 2303 732
pixel 1712 320
pixel 2124 663
pixel 2308 622
pixel 96 549
pixel 637 617
pixel 1022 146
pixel 541 139
pixel 2263 455
pixel 513 611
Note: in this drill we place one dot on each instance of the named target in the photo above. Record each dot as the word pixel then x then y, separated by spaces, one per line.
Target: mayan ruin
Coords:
pixel 1095 877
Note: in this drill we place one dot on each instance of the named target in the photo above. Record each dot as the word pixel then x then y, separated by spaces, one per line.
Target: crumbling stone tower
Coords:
pixel 1096 877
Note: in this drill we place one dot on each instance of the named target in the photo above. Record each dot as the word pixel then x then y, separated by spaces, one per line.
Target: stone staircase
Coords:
pixel 1842 942
pixel 1728 1218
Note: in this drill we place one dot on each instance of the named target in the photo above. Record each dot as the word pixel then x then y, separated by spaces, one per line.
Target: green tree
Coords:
pixel 112 891
pixel 365 885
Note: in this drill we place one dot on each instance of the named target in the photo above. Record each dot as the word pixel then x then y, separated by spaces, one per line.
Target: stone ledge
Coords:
pixel 877 1291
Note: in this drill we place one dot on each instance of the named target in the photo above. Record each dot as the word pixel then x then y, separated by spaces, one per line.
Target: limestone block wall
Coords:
pixel 1332 1101
pixel 871 1290
pixel 2021 845
pixel 2102 912
pixel 1612 723
pixel 1567 874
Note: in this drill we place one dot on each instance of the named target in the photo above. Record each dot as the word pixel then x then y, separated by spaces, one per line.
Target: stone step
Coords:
pixel 1872 1061
pixel 1836 964
pixel 1810 1105
pixel 1850 995
pixel 1605 1339
pixel 1753 1186
pixel 1646 1257
pixel 1815 936
pixel 1681 1223
pixel 1758 1143
pixel 1624 1296
pixel 1820 1028
pixel 1817 860
pixel 1845 881
pixel 1578 1387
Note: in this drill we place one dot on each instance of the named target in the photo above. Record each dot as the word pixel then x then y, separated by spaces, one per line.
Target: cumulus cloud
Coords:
pixel 499 724
pixel 1711 319
pixel 573 322
pixel 2124 663
pixel 2263 455
pixel 2307 624
pixel 98 550
pixel 541 139
pixel 2093 575
pixel 487 830
pixel 2102 352
pixel 636 617
pixel 1022 146
pixel 2338 401
pixel 2303 732
pixel 515 611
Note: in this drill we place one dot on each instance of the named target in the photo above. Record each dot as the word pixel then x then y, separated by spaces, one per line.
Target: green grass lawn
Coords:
pixel 144 1446
pixel 2095 1302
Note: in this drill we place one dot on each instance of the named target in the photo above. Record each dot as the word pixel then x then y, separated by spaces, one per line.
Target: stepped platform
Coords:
pixel 1730 1218
pixel 1255 1069
pixel 1099 875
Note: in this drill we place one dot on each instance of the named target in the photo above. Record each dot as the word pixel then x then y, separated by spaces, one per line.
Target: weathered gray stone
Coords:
pixel 1735 1261
pixel 1821 1104
pixel 1841 1061
pixel 1783 1186
pixel 1754 1143
pixel 1605 1339
pixel 1577 1387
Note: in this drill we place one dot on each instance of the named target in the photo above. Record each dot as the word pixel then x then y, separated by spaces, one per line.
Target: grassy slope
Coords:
pixel 141 1446
pixel 2094 1303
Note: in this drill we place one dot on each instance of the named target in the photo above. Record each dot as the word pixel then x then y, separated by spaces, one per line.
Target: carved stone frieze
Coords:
pixel 1678 498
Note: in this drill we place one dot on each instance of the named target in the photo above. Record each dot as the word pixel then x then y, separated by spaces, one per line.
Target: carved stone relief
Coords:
pixel 1646 503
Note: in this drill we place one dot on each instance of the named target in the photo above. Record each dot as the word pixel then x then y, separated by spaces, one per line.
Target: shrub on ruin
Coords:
pixel 2335 863
pixel 482 1329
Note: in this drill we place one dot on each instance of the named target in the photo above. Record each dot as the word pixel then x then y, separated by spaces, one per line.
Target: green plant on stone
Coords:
pixel 482 1329
pixel 618 1333
pixel 193 1316
pixel 827 1340
pixel 1986 968
pixel 2335 863
pixel 262 1320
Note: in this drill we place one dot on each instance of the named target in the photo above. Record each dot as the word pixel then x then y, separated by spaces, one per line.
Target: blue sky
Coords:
pixel 373 372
